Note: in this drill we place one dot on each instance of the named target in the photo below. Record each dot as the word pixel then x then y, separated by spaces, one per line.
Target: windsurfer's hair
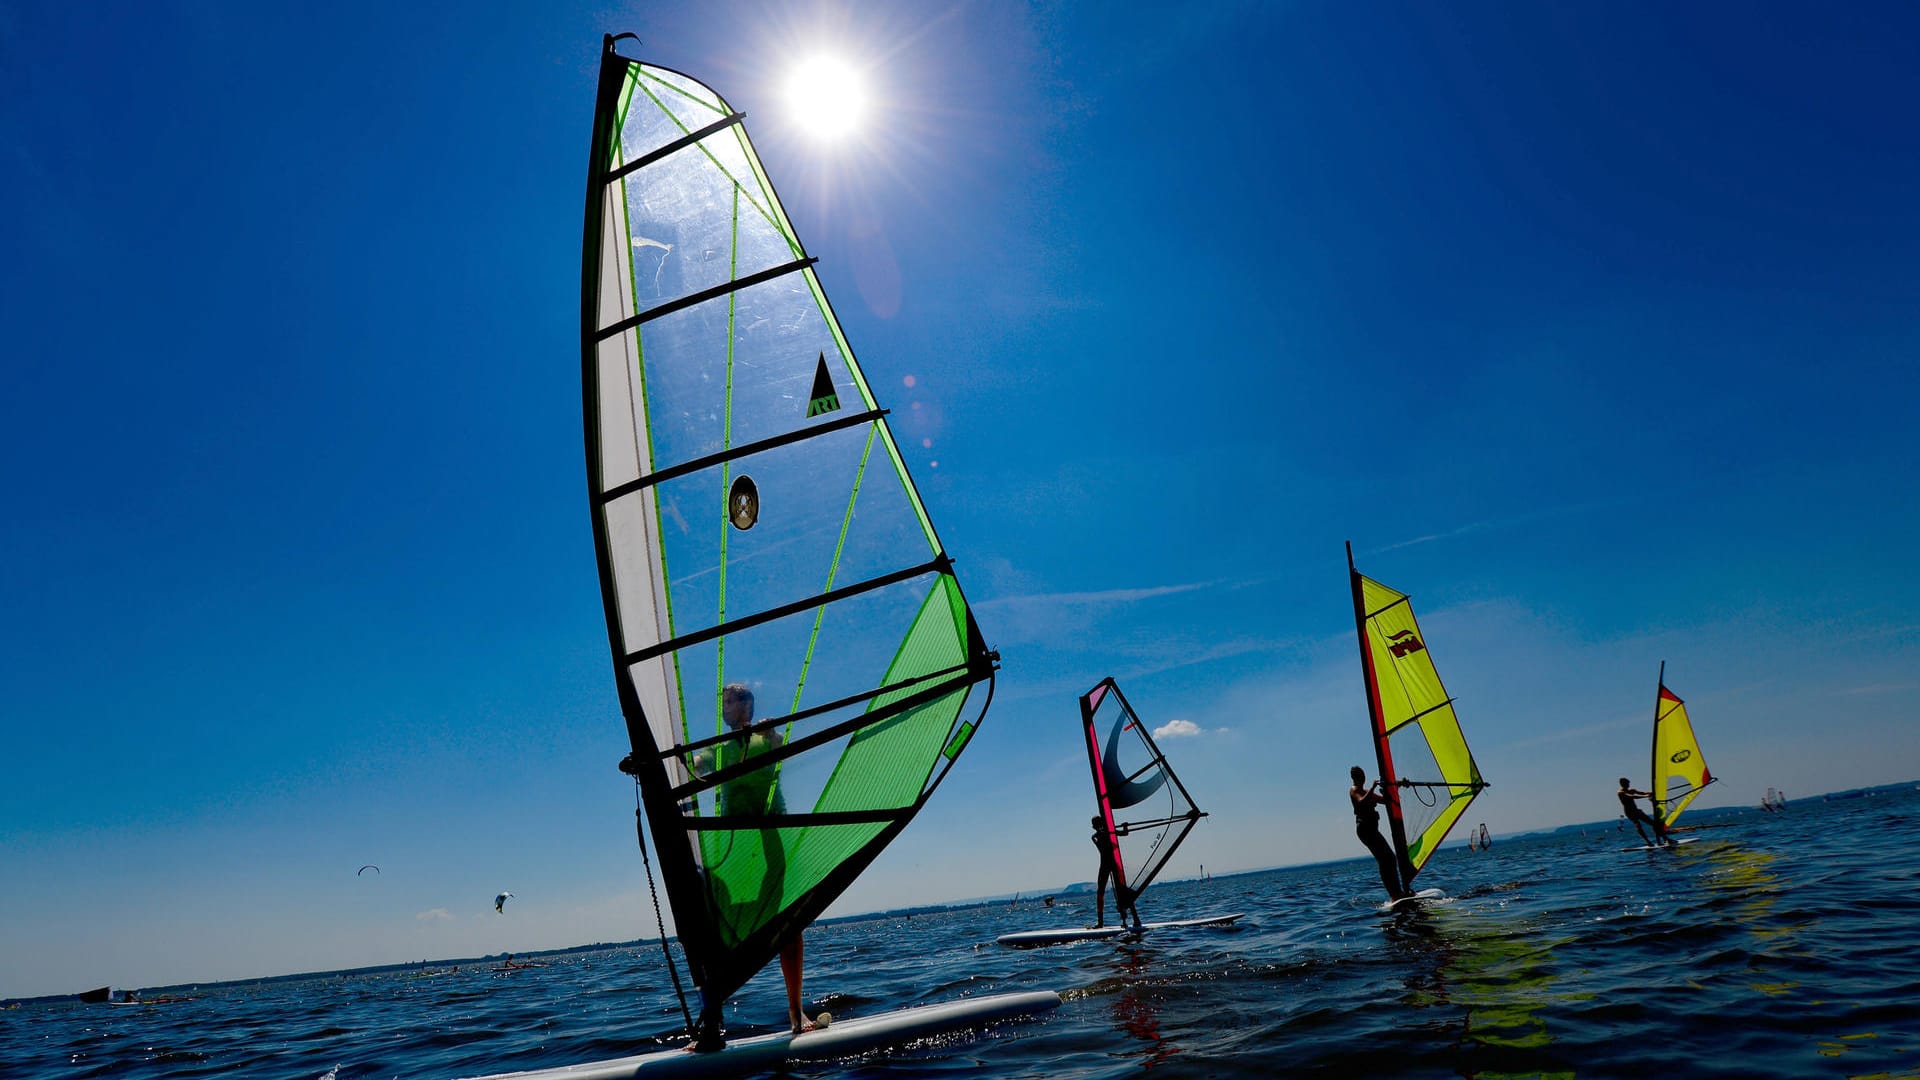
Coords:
pixel 1623 781
pixel 1357 773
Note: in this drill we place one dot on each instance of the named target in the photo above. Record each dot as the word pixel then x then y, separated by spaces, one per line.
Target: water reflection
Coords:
pixel 1750 876
pixel 1136 1009
pixel 1497 975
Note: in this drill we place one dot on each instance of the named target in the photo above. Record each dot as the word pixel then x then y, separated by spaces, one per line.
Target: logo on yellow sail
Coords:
pixel 1680 756
pixel 1402 643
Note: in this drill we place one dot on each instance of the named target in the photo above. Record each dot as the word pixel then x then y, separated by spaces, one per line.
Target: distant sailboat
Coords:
pixel 1679 768
pixel 755 527
pixel 1427 774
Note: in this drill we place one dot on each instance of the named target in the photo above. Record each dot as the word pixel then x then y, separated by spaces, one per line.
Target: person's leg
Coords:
pixel 1383 856
pixel 1100 896
pixel 790 961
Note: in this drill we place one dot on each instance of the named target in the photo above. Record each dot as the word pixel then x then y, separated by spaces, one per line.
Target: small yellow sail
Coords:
pixel 1679 768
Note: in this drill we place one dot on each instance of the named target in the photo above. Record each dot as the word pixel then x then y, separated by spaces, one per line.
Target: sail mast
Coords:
pixel 1089 703
pixel 1383 754
pixel 677 867
pixel 1653 752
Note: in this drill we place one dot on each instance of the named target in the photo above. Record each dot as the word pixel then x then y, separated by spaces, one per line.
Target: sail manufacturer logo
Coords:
pixel 824 398
pixel 1680 756
pixel 1401 648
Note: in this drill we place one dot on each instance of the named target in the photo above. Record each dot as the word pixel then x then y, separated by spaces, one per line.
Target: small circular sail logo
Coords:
pixel 1680 756
pixel 743 503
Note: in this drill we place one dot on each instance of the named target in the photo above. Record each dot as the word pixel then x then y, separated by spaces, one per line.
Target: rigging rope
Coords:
pixel 640 830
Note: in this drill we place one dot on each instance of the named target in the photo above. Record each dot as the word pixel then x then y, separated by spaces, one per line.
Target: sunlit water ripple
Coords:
pixel 1778 945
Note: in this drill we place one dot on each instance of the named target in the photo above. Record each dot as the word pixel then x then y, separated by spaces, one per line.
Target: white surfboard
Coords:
pixel 1027 939
pixel 1657 847
pixel 842 1038
pixel 1424 895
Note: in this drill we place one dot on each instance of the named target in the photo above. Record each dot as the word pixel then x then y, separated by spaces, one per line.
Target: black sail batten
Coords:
pixel 816 583
pixel 795 607
pixel 688 468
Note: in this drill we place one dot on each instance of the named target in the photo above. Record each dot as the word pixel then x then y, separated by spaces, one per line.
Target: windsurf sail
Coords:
pixel 755 527
pixel 1679 769
pixel 1428 775
pixel 1141 804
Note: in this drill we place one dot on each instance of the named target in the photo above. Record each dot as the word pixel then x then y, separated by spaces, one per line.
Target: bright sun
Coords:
pixel 826 96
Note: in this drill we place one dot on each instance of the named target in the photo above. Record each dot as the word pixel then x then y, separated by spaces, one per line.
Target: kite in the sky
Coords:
pixel 500 902
pixel 366 868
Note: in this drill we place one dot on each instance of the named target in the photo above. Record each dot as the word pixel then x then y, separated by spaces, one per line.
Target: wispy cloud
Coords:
pixel 1047 617
pixel 1174 729
pixel 434 915
pixel 1106 598
pixel 1881 688
pixel 1502 523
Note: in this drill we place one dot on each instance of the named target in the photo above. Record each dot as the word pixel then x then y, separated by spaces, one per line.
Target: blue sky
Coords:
pixel 1593 328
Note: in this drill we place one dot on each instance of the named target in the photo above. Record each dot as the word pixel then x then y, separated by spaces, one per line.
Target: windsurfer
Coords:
pixel 1636 815
pixel 758 792
pixel 1366 825
pixel 1109 869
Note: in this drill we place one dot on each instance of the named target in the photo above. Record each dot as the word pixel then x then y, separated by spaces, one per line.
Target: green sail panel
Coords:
pixel 1430 775
pixel 756 528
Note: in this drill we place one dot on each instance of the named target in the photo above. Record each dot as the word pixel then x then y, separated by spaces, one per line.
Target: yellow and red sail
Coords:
pixel 1428 774
pixel 1679 768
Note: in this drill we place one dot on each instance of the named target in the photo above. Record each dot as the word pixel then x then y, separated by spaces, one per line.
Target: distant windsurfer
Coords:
pixel 1636 815
pixel 1110 870
pixel 1366 825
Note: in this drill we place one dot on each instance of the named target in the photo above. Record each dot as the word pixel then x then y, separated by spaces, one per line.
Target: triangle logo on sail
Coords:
pixel 823 399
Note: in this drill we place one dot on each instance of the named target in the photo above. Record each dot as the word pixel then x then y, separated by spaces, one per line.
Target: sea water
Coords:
pixel 1779 944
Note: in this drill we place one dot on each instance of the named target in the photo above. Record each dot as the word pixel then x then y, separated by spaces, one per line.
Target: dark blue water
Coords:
pixel 1777 945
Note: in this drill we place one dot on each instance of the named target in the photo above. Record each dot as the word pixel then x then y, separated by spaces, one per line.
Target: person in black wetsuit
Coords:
pixel 1637 815
pixel 1109 869
pixel 1366 825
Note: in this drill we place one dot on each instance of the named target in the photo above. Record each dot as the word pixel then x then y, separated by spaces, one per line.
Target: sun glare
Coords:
pixel 826 96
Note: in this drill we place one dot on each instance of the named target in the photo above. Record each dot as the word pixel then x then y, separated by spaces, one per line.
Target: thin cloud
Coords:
pixel 434 915
pixel 1174 729
pixel 1502 523
pixel 1104 598
pixel 1881 688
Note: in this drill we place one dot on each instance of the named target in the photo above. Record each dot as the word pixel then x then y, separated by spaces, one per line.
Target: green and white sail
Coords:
pixel 755 524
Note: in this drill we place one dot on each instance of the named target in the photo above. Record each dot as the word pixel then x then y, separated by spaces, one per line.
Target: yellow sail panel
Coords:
pixel 1679 768
pixel 1425 756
